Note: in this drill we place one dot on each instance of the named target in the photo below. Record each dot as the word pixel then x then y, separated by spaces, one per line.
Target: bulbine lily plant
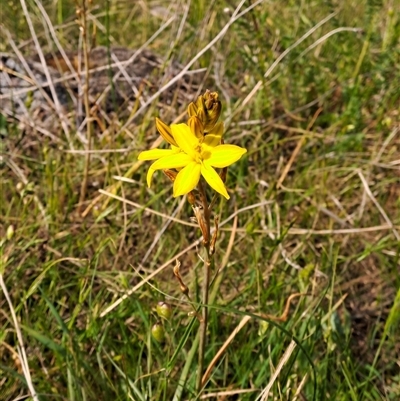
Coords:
pixel 196 149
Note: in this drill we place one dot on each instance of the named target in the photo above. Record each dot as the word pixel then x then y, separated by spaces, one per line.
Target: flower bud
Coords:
pixel 158 332
pixel 214 136
pixel 196 126
pixel 192 110
pixel 210 99
pixel 164 310
pixel 165 132
pixel 207 108
pixel 202 115
pixel 212 107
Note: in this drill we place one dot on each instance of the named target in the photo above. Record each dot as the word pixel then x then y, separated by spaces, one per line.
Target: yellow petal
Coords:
pixel 171 161
pixel 187 179
pixel 225 155
pixel 213 138
pixel 150 176
pixel 154 154
pixel 165 132
pixel 185 138
pixel 213 180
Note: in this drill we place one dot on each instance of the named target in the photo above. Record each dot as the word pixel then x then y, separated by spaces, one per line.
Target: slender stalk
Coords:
pixel 205 288
pixel 85 49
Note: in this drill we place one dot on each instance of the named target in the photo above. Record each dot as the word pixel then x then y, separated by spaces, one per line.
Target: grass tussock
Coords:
pixel 311 90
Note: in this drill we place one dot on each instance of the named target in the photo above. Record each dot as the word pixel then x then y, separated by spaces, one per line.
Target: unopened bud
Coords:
pixel 210 99
pixel 192 110
pixel 207 108
pixel 165 132
pixel 158 332
pixel 196 126
pixel 214 136
pixel 212 108
pixel 164 310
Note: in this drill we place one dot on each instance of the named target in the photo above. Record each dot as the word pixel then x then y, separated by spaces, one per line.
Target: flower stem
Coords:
pixel 205 288
pixel 84 27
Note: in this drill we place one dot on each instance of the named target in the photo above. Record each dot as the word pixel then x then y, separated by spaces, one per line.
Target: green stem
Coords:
pixel 205 289
pixel 84 26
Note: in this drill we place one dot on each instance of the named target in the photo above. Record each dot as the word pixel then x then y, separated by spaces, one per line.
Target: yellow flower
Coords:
pixel 194 154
